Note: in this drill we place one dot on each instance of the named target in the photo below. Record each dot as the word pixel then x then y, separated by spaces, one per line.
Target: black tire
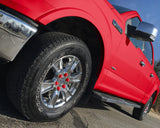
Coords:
pixel 31 67
pixel 141 113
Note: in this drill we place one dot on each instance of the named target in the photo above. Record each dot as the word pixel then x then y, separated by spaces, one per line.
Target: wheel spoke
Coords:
pixel 68 90
pixel 54 98
pixel 46 90
pixel 66 68
pixel 73 88
pixel 61 64
pixel 70 63
pixel 48 83
pixel 46 87
pixel 76 78
pixel 55 68
pixel 74 65
pixel 63 96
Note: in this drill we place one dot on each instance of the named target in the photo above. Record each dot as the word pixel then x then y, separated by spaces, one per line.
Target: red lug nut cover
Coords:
pixel 66 74
pixel 60 76
pixel 58 88
pixel 67 79
pixel 63 86
pixel 56 83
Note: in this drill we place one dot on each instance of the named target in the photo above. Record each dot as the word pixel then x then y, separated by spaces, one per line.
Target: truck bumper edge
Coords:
pixel 14 33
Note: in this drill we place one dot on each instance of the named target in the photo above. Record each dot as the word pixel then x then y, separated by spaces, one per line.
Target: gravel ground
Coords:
pixel 94 115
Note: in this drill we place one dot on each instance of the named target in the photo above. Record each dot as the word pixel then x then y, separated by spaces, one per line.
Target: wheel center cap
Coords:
pixel 62 81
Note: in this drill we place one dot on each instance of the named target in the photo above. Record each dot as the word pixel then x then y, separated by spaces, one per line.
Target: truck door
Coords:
pixel 122 79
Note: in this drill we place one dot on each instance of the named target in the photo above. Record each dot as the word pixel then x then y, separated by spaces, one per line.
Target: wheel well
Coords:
pixel 87 32
pixel 154 96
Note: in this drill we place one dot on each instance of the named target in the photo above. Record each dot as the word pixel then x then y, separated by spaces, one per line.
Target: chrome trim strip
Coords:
pixel 116 25
pixel 14 33
pixel 113 68
pixel 16 26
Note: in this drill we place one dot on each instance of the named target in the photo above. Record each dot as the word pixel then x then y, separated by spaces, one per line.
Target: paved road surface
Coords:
pixel 94 115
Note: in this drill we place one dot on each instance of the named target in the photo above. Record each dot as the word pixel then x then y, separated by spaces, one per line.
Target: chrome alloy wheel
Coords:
pixel 61 81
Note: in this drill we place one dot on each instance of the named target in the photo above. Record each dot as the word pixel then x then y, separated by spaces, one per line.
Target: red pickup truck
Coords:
pixel 60 50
